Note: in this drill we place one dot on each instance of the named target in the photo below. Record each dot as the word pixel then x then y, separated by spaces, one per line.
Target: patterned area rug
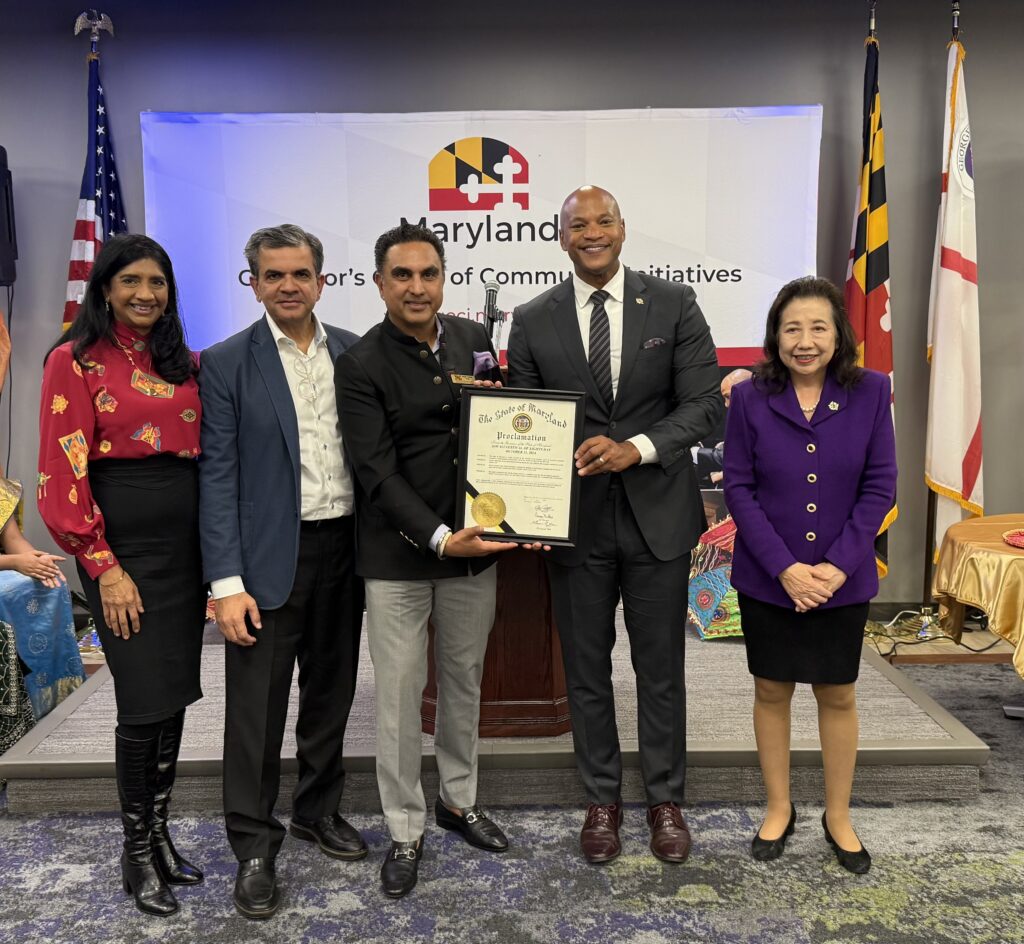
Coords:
pixel 944 873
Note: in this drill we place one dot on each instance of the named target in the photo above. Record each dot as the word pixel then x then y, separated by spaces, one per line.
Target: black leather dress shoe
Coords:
pixel 400 870
pixel 473 825
pixel 332 834
pixel 857 862
pixel 256 895
pixel 764 850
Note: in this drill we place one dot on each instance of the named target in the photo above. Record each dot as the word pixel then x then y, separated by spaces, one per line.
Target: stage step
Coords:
pixel 911 748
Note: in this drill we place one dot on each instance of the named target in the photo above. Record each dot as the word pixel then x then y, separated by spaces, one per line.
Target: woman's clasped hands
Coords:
pixel 810 585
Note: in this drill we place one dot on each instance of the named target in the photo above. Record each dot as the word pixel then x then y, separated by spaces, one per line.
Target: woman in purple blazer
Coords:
pixel 810 474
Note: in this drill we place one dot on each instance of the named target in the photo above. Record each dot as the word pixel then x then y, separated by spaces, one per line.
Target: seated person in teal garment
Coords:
pixel 34 597
pixel 35 601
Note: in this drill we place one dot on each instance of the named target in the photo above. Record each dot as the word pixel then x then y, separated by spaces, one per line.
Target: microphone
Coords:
pixel 492 317
pixel 490 305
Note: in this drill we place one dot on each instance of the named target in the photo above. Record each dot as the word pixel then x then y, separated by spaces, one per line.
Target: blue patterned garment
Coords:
pixel 45 635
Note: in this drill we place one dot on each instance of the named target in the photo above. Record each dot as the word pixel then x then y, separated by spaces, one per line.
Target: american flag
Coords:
pixel 101 211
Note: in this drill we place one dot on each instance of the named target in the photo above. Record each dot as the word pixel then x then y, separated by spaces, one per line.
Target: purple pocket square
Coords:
pixel 485 366
pixel 653 342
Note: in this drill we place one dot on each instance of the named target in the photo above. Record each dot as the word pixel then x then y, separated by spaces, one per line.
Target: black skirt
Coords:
pixel 820 647
pixel 151 511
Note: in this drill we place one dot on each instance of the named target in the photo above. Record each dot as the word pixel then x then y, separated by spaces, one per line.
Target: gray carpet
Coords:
pixel 718 707
pixel 949 872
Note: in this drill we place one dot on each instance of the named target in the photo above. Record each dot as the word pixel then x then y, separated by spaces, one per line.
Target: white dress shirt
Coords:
pixel 615 287
pixel 325 485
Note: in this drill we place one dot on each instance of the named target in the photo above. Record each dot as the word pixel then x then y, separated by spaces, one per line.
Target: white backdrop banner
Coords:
pixel 723 199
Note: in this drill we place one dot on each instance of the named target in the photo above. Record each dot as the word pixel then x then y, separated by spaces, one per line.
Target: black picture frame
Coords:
pixel 532 403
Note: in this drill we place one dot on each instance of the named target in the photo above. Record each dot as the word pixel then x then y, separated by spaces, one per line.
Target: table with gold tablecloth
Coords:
pixel 978 568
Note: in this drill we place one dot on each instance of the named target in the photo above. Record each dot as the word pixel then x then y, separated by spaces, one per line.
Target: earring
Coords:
pixel 110 312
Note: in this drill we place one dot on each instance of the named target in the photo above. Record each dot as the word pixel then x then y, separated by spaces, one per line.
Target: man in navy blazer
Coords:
pixel 641 350
pixel 278 542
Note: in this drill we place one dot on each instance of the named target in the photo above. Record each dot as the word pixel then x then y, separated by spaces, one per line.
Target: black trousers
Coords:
pixel 653 596
pixel 318 627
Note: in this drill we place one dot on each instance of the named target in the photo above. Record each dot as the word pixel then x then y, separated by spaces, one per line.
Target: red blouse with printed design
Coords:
pixel 116 408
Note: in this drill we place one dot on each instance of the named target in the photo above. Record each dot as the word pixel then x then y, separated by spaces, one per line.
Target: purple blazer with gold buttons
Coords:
pixel 809 492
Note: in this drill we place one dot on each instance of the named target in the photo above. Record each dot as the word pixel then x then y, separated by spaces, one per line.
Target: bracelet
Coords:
pixel 442 544
pixel 113 583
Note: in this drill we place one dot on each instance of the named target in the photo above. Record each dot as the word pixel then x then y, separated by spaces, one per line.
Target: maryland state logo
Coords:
pixel 479 174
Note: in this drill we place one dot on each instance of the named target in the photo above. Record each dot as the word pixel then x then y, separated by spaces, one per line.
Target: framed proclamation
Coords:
pixel 517 477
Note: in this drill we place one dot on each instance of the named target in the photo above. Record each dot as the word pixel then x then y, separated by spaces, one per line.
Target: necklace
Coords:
pixel 124 348
pixel 128 353
pixel 808 410
pixel 149 384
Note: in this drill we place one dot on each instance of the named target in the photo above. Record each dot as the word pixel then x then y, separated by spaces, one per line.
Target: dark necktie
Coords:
pixel 600 356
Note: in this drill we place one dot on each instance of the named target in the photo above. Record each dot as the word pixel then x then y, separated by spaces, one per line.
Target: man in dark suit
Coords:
pixel 278 545
pixel 399 393
pixel 710 459
pixel 640 349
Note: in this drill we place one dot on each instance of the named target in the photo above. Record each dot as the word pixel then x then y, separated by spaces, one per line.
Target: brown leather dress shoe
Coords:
pixel 599 838
pixel 670 836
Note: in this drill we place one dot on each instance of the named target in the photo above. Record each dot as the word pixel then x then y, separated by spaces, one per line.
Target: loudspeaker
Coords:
pixel 8 235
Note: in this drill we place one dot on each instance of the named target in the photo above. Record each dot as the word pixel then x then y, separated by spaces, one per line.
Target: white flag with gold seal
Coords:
pixel 953 453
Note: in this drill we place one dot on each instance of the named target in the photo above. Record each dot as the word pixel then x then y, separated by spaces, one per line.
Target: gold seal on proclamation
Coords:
pixel 488 509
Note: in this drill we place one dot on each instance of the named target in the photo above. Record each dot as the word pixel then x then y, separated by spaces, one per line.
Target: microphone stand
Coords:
pixel 493 318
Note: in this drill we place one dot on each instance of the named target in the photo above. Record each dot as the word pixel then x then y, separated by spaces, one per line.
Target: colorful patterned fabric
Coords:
pixel 44 632
pixel 115 408
pixel 713 610
pixel 10 501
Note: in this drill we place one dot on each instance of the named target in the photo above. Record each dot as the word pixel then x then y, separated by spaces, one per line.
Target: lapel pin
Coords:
pixel 639 301
pixel 833 406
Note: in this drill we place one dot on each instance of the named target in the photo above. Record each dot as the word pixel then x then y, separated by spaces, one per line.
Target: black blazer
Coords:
pixel 399 409
pixel 668 389
pixel 249 479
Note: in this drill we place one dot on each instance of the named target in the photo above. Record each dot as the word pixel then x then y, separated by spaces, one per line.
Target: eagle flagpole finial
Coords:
pixel 94 22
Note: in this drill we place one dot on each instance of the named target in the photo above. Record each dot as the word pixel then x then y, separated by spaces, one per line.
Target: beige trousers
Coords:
pixel 397 611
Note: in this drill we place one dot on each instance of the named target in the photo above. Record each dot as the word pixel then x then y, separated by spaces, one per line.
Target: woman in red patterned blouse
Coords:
pixel 119 435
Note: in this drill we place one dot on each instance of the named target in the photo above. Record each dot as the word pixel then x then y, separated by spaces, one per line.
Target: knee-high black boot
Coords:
pixel 135 761
pixel 172 867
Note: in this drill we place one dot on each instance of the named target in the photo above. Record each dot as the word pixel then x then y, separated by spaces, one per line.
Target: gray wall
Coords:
pixel 285 57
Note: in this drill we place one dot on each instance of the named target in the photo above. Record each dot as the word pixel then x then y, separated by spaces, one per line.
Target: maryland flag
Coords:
pixel 867 276
pixel 479 174
pixel 953 457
